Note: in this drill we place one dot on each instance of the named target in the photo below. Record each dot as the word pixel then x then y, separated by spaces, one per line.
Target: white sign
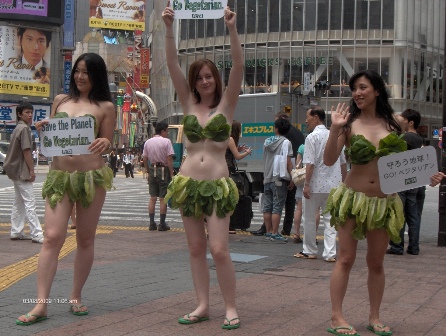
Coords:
pixel 407 170
pixel 67 136
pixel 199 9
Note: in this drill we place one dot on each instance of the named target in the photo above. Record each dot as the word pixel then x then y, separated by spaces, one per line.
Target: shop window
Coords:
pixel 298 15
pixel 335 14
pixel 361 14
pixel 274 17
pixel 200 28
pixel 285 18
pixel 349 14
pixel 241 16
pixel 388 14
pixel 183 29
pixel 210 28
pixel 191 34
pixel 251 16
pixel 310 16
pixel 375 15
pixel 322 15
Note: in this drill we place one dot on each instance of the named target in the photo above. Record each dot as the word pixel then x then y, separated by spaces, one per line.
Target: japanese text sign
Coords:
pixel 67 136
pixel 407 170
pixel 198 9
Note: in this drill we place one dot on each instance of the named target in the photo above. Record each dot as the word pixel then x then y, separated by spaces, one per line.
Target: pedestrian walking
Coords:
pixel 128 164
pixel 19 167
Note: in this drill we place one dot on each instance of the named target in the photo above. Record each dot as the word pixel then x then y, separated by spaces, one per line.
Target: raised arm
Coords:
pixel 235 152
pixel 230 96
pixel 337 138
pixel 176 74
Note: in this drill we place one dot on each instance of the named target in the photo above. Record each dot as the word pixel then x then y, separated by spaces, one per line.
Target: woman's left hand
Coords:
pixel 436 178
pixel 99 146
pixel 230 17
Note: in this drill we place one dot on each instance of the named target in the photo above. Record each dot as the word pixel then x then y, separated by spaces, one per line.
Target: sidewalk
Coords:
pixel 141 283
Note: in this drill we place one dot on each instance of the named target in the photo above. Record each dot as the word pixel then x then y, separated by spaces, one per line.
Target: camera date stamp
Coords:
pixel 49 301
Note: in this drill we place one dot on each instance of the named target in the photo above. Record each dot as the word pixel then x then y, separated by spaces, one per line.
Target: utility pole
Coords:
pixel 442 192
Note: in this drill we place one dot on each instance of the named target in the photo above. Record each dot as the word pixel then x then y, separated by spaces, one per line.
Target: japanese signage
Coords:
pixel 25 56
pixel 30 7
pixel 407 170
pixel 67 71
pixel 144 68
pixel 198 9
pixel 8 113
pixel 68 26
pixel 257 129
pixel 117 14
pixel 67 136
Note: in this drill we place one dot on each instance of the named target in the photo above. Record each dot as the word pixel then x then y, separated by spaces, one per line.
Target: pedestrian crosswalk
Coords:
pixel 125 205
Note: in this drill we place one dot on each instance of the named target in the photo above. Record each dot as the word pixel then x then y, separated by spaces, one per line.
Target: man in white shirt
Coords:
pixel 319 180
pixel 128 164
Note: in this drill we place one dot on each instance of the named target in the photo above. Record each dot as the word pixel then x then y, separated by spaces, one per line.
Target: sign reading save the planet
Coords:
pixel 67 136
pixel 198 9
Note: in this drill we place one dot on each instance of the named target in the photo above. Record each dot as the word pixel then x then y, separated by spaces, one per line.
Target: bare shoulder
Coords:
pixel 107 106
pixel 59 98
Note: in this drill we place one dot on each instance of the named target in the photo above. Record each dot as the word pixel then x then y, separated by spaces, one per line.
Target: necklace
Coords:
pixel 212 111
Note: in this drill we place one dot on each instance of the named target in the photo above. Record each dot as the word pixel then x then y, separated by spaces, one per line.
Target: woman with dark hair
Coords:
pixel 359 209
pixel 202 189
pixel 81 180
pixel 234 151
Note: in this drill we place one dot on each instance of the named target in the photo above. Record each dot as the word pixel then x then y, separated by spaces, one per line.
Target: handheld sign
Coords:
pixel 199 9
pixel 67 136
pixel 407 170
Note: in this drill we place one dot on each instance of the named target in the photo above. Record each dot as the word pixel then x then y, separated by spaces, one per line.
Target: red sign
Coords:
pixel 144 68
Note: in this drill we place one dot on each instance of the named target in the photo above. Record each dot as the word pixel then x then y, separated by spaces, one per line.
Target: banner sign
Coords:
pixel 118 14
pixel 30 7
pixel 8 113
pixel 144 68
pixel 25 61
pixel 257 129
pixel 407 170
pixel 199 9
pixel 67 136
pixel 68 63
pixel 68 26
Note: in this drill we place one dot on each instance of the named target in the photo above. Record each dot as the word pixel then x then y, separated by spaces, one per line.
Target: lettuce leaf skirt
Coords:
pixel 80 186
pixel 369 212
pixel 197 198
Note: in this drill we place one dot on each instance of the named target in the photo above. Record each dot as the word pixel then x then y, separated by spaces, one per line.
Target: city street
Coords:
pixel 141 282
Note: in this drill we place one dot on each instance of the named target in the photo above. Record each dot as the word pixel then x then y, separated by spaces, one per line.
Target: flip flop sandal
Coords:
pixel 380 333
pixel 78 312
pixel 230 326
pixel 198 319
pixel 37 319
pixel 336 332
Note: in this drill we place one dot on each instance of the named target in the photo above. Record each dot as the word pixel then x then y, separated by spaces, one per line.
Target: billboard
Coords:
pixel 117 14
pixel 8 113
pixel 47 11
pixel 31 7
pixel 25 61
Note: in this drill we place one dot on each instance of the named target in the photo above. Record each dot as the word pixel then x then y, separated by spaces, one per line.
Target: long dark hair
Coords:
pixel 236 130
pixel 97 74
pixel 383 108
pixel 193 75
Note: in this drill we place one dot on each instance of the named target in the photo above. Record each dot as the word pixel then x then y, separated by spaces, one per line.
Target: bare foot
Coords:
pixel 196 315
pixel 379 327
pixel 341 327
pixel 31 317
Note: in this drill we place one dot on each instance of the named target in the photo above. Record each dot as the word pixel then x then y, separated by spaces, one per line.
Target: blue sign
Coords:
pixel 66 76
pixel 68 26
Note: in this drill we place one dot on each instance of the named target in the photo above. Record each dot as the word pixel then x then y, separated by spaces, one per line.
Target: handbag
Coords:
pixel 298 175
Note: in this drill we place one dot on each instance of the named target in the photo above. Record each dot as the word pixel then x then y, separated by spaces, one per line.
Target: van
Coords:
pixel 4 146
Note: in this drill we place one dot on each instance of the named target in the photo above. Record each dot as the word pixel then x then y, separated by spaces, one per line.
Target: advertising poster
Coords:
pixel 117 14
pixel 25 56
pixel 30 7
pixel 8 113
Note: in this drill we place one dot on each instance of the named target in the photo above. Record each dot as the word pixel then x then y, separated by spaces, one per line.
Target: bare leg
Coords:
pixel 377 241
pixel 55 233
pixel 219 247
pixel 85 234
pixel 73 217
pixel 197 242
pixel 152 203
pixel 298 217
pixel 275 223
pixel 163 207
pixel 267 219
pixel 341 272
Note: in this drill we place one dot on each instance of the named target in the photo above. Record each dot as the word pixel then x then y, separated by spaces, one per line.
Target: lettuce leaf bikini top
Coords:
pixel 216 129
pixel 65 115
pixel 362 151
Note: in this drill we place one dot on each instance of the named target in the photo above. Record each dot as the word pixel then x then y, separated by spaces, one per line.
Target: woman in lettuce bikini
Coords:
pixel 203 190
pixel 80 179
pixel 360 127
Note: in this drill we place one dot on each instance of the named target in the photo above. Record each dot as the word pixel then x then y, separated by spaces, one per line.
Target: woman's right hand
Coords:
pixel 168 15
pixel 38 125
pixel 340 116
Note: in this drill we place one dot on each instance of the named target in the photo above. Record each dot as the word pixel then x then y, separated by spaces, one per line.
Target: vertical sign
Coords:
pixel 68 26
pixel 144 68
pixel 68 59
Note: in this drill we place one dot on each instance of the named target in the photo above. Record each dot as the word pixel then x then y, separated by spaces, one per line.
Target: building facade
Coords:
pixel 292 45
